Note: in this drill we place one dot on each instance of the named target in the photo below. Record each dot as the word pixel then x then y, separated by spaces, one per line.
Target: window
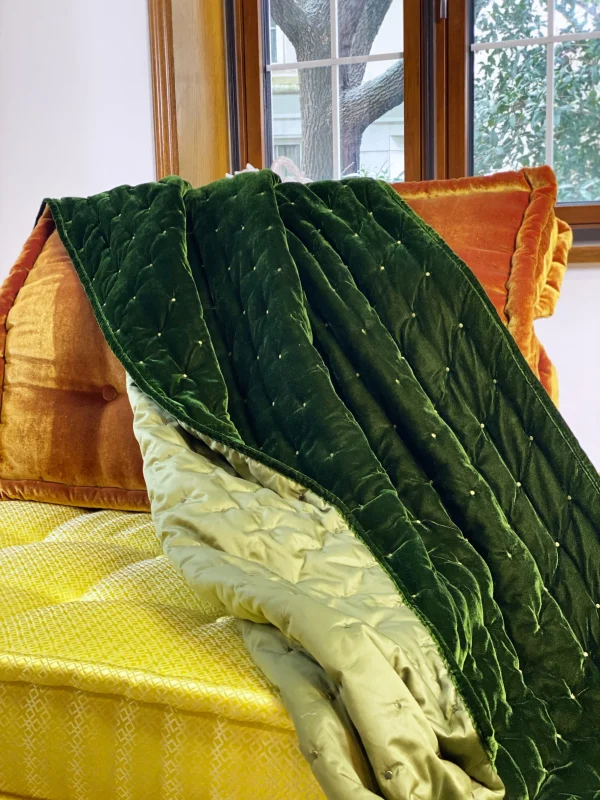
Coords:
pixel 291 151
pixel 536 90
pixel 336 76
pixel 273 41
pixel 396 89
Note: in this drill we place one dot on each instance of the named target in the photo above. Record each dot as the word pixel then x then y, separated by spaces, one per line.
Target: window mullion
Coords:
pixel 559 37
pixel 328 62
pixel 335 91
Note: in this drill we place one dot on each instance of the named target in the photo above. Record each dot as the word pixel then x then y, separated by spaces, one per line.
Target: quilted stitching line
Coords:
pixel 173 686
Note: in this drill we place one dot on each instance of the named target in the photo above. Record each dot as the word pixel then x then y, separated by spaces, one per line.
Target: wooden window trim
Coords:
pixel 247 73
pixel 163 88
pixel 580 215
pixel 584 256
pixel 179 133
pixel 452 102
pixel 458 88
pixel 415 92
pixel 190 92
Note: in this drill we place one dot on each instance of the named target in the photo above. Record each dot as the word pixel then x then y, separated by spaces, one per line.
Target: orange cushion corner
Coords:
pixel 504 228
pixel 66 430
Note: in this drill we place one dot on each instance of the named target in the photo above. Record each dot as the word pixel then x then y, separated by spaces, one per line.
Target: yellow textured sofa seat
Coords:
pixel 117 681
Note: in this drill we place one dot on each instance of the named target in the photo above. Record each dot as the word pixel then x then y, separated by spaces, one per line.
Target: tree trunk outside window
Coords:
pixel 306 24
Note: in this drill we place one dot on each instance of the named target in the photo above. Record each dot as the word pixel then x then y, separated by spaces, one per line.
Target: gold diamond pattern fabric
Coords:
pixel 117 681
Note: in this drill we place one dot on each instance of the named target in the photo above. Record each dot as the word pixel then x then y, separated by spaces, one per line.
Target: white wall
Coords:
pixel 572 339
pixel 75 105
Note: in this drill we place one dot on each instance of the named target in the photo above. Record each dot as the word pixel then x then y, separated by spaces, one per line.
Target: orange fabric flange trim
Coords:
pixel 17 277
pixel 110 497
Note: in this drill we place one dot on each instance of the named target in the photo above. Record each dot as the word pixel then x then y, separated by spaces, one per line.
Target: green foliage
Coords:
pixel 577 120
pixel 510 94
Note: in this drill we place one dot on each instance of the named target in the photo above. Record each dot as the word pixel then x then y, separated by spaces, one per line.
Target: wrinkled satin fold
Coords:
pixel 372 701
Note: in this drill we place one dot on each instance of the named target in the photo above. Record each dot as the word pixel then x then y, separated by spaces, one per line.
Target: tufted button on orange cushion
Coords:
pixel 66 434
pixel 109 392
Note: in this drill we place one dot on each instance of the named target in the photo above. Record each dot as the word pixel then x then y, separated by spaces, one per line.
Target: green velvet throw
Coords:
pixel 329 333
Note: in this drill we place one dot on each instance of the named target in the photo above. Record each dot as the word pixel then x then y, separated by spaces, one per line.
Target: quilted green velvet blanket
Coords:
pixel 411 484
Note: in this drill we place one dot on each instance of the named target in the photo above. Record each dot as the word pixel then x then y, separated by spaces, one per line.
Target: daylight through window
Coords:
pixel 536 92
pixel 337 87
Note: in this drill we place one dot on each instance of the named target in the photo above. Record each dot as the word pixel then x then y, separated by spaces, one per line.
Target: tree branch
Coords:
pixel 356 38
pixel 478 5
pixel 292 18
pixel 349 15
pixel 318 7
pixel 362 105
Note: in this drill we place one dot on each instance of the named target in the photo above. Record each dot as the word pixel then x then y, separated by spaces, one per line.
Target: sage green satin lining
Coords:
pixel 373 704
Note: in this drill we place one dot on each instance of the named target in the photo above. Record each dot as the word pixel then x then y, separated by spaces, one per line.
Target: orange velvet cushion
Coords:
pixel 65 422
pixel 66 426
pixel 504 228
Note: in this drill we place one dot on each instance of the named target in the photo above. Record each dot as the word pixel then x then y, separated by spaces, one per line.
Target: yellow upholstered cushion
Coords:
pixel 117 681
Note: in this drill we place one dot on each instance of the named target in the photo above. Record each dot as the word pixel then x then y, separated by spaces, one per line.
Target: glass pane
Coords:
pixel 509 125
pixel 576 15
pixel 495 20
pixel 372 119
pixel 577 120
pixel 302 36
pixel 370 28
pixel 301 121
